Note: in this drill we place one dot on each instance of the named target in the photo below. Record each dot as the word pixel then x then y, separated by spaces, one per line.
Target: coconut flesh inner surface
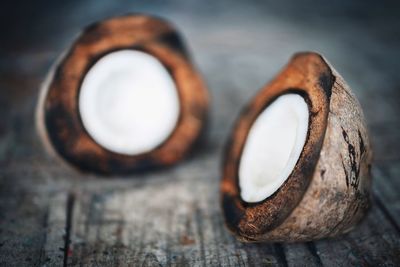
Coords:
pixel 273 147
pixel 128 102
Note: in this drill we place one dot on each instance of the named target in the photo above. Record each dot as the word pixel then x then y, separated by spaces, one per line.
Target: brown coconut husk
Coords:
pixel 327 192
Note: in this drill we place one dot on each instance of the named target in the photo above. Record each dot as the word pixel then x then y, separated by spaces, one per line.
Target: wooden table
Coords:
pixel 50 215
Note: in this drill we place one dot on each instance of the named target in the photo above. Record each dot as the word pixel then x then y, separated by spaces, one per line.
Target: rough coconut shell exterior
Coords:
pixel 327 192
pixel 58 118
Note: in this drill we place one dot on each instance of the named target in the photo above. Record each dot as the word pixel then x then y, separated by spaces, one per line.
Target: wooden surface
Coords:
pixel 52 216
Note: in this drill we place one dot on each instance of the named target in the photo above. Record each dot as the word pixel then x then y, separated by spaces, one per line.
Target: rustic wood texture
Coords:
pixel 52 216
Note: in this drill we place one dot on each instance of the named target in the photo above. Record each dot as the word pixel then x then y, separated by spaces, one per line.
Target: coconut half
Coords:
pixel 123 98
pixel 297 165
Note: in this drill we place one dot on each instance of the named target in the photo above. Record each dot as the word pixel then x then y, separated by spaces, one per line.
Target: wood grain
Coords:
pixel 172 217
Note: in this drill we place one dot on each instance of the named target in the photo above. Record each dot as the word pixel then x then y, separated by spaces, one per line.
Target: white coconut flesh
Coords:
pixel 128 102
pixel 273 147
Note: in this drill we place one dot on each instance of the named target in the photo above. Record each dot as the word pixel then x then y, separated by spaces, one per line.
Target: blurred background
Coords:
pixel 49 214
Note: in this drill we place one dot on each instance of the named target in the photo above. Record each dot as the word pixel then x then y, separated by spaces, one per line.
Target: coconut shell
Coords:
pixel 328 191
pixel 58 118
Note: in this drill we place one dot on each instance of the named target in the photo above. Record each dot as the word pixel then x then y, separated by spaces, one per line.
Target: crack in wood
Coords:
pixel 68 227
pixel 199 224
pixel 281 254
pixel 313 250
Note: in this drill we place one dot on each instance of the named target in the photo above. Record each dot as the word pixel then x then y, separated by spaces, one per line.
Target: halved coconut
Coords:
pixel 297 165
pixel 124 97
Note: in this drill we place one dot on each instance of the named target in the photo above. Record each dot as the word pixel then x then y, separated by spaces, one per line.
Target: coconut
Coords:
pixel 124 97
pixel 297 164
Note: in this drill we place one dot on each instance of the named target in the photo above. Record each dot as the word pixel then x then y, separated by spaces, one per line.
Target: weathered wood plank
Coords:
pixel 54 247
pixel 302 255
pixel 375 242
pixel 172 217
pixel 22 228
pixel 386 189
pixel 126 226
